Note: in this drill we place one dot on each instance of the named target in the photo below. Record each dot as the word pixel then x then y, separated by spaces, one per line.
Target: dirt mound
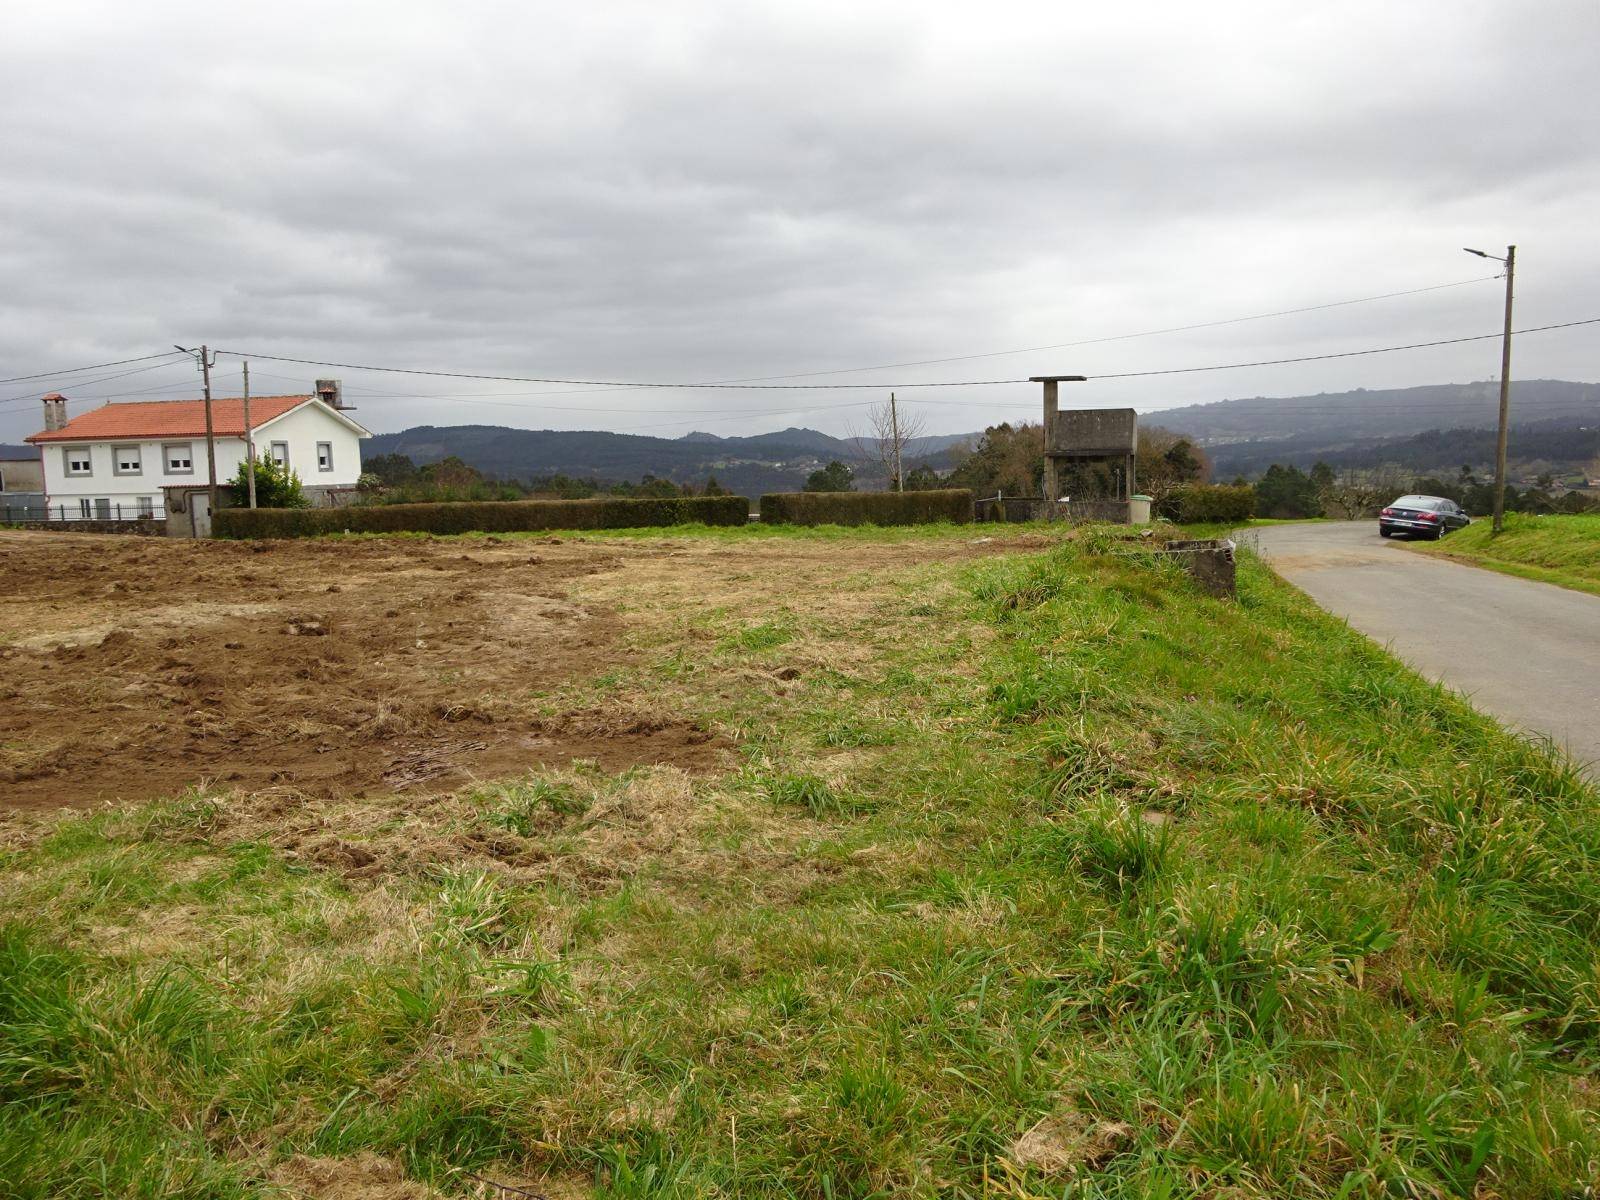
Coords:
pixel 131 669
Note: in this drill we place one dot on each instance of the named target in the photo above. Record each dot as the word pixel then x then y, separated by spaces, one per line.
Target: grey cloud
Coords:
pixel 708 191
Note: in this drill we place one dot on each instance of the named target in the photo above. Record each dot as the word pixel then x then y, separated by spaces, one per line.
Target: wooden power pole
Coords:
pixel 249 439
pixel 1505 400
pixel 894 431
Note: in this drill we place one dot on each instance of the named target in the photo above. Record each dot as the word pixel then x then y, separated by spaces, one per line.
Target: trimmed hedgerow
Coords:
pixel 491 516
pixel 867 508
pixel 1197 502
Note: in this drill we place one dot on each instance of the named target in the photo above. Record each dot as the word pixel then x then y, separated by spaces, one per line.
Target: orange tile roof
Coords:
pixel 154 419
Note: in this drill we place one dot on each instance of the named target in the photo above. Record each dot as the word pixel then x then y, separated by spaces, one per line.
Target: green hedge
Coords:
pixel 1197 502
pixel 488 516
pixel 867 508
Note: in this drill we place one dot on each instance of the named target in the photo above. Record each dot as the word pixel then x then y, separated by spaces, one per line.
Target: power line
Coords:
pixel 32 395
pixel 581 388
pixel 91 367
pixel 609 383
pixel 1122 337
pixel 1275 362
pixel 757 387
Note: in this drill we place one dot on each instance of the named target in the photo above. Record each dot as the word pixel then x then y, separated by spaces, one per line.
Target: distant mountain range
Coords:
pixel 1365 427
pixel 764 462
pixel 1243 436
pixel 1555 422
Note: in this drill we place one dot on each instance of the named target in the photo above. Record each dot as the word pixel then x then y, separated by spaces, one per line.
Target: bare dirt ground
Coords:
pixel 132 668
pixel 135 668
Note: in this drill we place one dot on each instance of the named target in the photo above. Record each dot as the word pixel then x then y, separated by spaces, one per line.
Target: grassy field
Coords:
pixel 1035 874
pixel 1562 549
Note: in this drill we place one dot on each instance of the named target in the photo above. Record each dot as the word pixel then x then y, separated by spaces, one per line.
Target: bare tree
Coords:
pixel 1360 493
pixel 890 430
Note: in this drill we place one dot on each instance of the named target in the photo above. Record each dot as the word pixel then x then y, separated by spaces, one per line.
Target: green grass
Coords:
pixel 1068 848
pixel 1560 549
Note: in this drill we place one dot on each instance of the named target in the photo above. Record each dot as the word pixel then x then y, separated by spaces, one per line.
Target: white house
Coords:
pixel 112 462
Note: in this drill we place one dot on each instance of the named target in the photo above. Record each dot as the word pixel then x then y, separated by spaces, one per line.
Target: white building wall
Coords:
pixel 302 429
pixel 106 490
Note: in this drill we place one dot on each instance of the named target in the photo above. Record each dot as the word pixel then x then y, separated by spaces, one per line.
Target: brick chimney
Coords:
pixel 329 393
pixel 55 412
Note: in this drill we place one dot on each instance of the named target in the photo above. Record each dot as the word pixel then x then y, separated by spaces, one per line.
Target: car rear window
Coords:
pixel 1423 502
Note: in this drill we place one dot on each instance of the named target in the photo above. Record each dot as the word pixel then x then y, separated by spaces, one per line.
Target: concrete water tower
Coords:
pixel 1085 436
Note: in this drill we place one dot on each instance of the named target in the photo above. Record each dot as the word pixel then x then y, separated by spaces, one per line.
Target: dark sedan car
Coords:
pixel 1427 516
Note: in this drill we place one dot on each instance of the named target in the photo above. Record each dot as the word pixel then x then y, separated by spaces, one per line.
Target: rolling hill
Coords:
pixel 1554 419
pixel 749 465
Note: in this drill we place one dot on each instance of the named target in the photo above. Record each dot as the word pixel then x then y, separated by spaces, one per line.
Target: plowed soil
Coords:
pixel 132 668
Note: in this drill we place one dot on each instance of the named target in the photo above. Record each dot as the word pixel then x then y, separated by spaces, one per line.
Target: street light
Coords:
pixel 1510 264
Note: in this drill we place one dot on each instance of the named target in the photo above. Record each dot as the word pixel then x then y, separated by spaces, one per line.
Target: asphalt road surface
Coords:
pixel 1529 653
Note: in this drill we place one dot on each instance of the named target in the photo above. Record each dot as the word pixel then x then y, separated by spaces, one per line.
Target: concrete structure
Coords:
pixel 1086 436
pixel 1091 437
pixel 21 488
pixel 116 461
pixel 1209 560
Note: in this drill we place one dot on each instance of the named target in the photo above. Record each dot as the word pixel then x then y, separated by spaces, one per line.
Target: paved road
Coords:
pixel 1527 652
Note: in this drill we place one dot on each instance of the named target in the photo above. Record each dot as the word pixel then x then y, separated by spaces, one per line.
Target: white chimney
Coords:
pixel 55 412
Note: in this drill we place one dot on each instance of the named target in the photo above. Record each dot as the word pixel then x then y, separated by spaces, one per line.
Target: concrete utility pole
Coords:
pixel 894 427
pixel 249 438
pixel 1505 400
pixel 206 363
pixel 1510 263
pixel 211 437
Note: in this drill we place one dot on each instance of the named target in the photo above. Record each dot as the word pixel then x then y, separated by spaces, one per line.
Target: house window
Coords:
pixel 125 460
pixel 85 508
pixel 147 507
pixel 324 456
pixel 180 458
pixel 78 461
pixel 280 453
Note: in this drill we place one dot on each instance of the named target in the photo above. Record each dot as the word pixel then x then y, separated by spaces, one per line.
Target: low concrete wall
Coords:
pixel 1209 560
pixel 1013 509
pixel 153 527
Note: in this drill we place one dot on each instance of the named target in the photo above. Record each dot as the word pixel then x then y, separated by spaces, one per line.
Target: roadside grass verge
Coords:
pixel 1043 875
pixel 1563 549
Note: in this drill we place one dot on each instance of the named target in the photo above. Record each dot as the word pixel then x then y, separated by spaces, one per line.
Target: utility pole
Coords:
pixel 206 363
pixel 1510 263
pixel 1505 401
pixel 894 427
pixel 211 437
pixel 249 438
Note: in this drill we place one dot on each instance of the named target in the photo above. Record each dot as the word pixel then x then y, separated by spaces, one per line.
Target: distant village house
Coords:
pixel 113 463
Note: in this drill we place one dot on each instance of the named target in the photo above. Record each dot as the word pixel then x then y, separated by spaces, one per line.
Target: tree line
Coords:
pixel 396 479
pixel 1288 492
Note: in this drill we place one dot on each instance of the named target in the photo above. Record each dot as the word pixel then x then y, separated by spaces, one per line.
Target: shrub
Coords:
pixel 277 486
pixel 1198 502
pixel 835 477
pixel 867 508
pixel 506 516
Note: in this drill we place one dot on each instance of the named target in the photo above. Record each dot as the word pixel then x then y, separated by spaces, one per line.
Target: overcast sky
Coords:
pixel 709 191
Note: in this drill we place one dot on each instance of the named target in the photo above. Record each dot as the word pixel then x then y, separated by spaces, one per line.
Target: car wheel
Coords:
pixel 1385 532
pixel 1438 533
